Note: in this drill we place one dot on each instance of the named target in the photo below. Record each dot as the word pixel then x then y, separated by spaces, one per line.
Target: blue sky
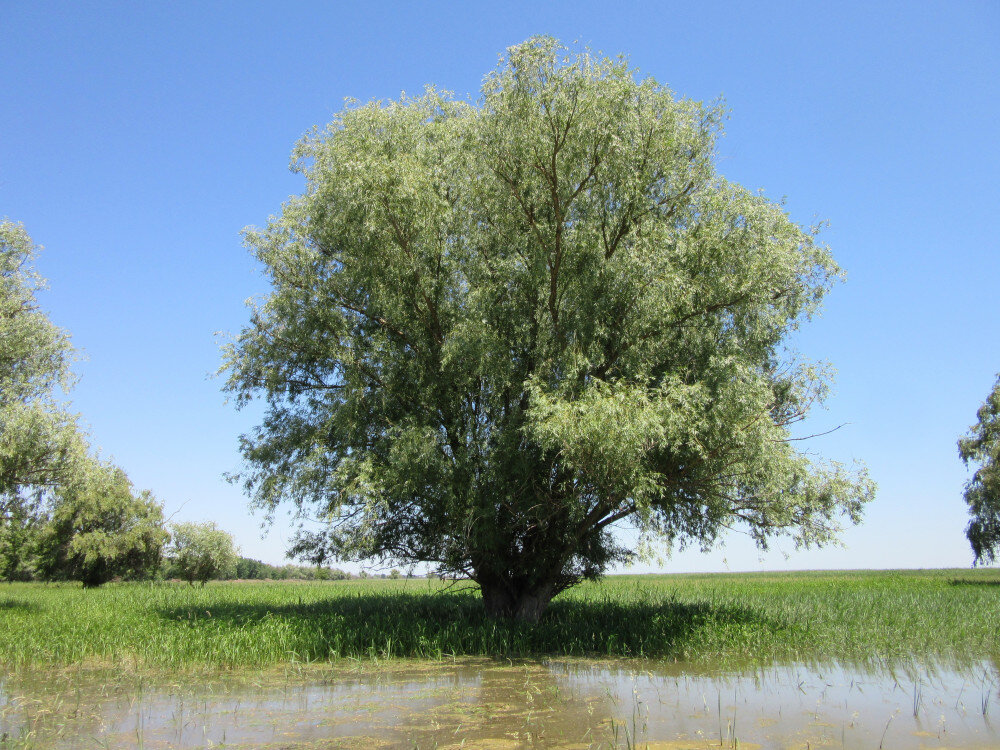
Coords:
pixel 137 139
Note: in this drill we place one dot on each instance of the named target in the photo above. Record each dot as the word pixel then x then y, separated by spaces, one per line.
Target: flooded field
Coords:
pixel 486 704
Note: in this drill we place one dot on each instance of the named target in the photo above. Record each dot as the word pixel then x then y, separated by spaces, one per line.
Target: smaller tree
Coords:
pixel 201 551
pixel 97 528
pixel 980 447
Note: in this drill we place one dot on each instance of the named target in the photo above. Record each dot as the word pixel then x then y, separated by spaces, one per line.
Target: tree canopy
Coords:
pixel 40 444
pixel 200 551
pixel 38 437
pixel 980 447
pixel 98 528
pixel 64 513
pixel 498 328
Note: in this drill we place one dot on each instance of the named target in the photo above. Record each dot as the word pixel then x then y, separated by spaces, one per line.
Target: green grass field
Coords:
pixel 947 615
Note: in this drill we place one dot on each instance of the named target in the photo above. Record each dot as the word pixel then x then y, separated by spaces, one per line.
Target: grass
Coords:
pixel 857 616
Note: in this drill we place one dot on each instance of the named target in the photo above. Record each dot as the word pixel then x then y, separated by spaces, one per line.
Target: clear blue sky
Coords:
pixel 137 139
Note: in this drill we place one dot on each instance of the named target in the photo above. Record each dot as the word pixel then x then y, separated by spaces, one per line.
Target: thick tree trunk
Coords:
pixel 513 602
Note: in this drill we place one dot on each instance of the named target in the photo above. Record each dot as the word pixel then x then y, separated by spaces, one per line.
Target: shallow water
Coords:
pixel 482 704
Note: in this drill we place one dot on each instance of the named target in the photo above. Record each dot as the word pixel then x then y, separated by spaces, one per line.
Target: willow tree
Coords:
pixel 980 448
pixel 38 436
pixel 98 527
pixel 40 445
pixel 498 328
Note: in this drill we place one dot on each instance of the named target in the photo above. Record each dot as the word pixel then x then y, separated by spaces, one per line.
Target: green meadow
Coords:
pixel 737 619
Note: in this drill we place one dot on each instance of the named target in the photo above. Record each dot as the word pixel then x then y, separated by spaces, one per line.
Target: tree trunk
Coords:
pixel 513 602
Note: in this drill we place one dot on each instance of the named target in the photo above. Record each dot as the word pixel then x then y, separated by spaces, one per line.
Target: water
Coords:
pixel 483 704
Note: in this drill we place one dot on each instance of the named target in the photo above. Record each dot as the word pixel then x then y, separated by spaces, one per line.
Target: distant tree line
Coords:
pixel 102 532
pixel 255 570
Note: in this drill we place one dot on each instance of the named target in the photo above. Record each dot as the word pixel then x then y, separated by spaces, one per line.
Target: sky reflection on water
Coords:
pixel 550 704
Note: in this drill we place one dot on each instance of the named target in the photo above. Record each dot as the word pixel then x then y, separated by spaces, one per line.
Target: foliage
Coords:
pixel 18 529
pixel 63 513
pixel 498 329
pixel 200 551
pixel 97 528
pixel 249 569
pixel 324 574
pixel 39 441
pixel 981 448
pixel 879 617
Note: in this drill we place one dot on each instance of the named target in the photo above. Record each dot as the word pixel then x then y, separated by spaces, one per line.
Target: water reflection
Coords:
pixel 553 704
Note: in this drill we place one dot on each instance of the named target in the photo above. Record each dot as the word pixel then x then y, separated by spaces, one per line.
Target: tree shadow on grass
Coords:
pixel 440 624
pixel 974 581
pixel 15 604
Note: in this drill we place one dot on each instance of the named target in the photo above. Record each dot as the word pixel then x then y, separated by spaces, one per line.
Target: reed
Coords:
pixel 738 619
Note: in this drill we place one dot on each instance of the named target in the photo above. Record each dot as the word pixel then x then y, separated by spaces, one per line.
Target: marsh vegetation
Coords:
pixel 850 659
pixel 858 617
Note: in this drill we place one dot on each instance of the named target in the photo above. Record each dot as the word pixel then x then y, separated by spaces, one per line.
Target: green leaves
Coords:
pixel 980 447
pixel 63 513
pixel 97 528
pixel 496 329
pixel 38 437
pixel 611 432
pixel 40 443
pixel 200 551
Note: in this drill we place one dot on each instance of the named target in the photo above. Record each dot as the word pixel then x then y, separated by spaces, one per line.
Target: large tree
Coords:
pixel 980 447
pixel 40 445
pixel 499 328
